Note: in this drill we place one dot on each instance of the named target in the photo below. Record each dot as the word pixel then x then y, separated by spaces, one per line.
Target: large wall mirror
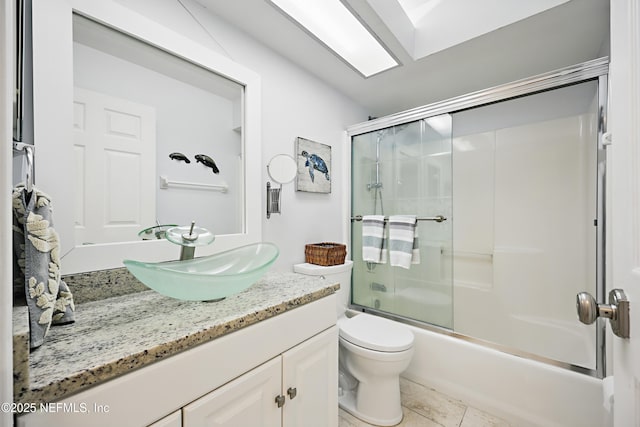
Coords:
pixel 136 126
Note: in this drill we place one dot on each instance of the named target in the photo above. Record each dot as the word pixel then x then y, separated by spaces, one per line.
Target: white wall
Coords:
pixel 6 129
pixel 294 103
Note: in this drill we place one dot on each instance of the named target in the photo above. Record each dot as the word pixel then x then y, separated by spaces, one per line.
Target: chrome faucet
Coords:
pixel 188 237
pixel 186 251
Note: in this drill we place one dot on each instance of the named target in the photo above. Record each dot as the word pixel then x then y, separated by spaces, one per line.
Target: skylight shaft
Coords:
pixel 335 26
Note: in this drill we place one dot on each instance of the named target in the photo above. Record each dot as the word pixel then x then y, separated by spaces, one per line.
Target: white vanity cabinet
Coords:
pixel 310 382
pixel 246 401
pixel 231 380
pixel 173 420
pixel 298 388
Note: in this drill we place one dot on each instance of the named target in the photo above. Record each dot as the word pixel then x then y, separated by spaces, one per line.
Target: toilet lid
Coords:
pixel 376 333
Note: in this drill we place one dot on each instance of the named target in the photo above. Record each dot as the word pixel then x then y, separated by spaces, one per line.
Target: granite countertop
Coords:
pixel 114 336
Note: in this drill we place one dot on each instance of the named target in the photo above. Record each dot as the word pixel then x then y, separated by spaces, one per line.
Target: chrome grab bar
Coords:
pixel 437 218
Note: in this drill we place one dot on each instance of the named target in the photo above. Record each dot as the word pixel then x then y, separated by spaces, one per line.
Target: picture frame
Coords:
pixel 314 166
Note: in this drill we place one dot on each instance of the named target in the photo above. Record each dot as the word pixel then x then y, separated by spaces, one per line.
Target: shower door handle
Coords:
pixel 617 311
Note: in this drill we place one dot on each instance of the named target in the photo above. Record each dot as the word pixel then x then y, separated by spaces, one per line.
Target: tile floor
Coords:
pixel 425 407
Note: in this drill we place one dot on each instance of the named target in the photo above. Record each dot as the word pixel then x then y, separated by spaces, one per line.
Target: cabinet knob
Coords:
pixel 280 401
pixel 292 392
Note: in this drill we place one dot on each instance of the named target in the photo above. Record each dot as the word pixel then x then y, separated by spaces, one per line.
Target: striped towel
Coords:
pixel 403 241
pixel 374 244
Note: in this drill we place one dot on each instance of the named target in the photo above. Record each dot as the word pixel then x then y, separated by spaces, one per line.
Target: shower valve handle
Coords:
pixel 617 311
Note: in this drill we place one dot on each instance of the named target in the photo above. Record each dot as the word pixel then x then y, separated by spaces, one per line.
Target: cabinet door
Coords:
pixel 246 401
pixel 173 420
pixel 311 368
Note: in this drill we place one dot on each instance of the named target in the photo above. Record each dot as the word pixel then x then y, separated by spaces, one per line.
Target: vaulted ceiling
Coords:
pixel 572 32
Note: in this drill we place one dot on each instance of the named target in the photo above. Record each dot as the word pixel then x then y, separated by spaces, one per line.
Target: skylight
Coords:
pixel 425 27
pixel 418 9
pixel 337 28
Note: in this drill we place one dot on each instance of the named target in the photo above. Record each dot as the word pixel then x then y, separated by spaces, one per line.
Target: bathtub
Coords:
pixel 565 340
pixel 524 392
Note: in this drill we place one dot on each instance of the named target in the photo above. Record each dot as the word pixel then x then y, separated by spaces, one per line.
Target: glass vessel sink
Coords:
pixel 207 278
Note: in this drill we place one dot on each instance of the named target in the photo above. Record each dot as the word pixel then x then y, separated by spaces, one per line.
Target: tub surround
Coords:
pixel 115 336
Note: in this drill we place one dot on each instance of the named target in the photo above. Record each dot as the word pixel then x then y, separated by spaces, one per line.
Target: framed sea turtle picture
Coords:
pixel 314 166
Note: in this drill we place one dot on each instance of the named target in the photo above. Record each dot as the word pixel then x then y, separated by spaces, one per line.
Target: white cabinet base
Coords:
pixel 246 401
pixel 304 380
pixel 310 370
pixel 173 420
pixel 146 395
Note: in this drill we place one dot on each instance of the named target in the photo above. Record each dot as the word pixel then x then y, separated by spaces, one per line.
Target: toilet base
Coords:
pixel 347 401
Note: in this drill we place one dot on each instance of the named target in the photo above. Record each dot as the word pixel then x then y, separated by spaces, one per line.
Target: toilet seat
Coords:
pixel 375 333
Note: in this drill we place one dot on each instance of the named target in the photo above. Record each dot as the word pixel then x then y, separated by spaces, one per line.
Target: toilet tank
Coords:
pixel 340 273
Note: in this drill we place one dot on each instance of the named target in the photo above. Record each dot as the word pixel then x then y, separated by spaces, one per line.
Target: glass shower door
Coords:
pixel 519 173
pixel 406 170
pixel 526 221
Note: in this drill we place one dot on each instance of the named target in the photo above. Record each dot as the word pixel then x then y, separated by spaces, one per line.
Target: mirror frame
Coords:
pixel 277 158
pixel 53 118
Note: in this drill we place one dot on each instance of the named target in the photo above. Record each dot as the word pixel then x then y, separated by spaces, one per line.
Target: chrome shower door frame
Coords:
pixel 597 70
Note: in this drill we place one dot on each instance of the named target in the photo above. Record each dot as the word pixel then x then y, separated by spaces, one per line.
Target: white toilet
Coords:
pixel 374 351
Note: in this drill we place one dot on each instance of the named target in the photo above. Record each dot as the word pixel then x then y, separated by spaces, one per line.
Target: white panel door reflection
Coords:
pixel 114 145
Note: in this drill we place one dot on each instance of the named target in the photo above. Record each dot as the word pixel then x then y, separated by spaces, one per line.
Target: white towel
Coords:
pixel 403 241
pixel 373 239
